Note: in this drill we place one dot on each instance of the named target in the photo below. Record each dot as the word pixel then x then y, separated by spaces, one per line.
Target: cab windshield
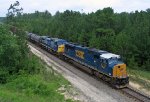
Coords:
pixel 114 60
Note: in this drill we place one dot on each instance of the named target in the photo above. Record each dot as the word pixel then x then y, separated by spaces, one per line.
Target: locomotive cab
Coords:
pixel 58 45
pixel 61 46
pixel 119 75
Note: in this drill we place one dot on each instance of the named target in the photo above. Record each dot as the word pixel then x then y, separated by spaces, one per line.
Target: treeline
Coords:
pixel 127 34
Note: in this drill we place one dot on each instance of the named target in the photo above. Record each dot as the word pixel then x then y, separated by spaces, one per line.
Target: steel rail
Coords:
pixel 136 94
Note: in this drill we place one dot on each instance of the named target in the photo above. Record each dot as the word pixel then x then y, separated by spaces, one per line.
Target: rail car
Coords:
pixel 53 44
pixel 103 64
pixel 34 38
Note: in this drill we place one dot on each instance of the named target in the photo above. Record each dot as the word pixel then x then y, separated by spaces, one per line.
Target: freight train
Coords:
pixel 103 64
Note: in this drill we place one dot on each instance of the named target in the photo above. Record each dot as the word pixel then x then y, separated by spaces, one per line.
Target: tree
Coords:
pixel 14 10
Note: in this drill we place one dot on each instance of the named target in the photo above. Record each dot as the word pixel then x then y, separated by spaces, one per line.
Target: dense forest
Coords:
pixel 127 34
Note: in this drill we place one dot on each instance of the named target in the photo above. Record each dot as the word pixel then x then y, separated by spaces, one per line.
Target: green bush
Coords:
pixel 14 55
pixel 3 75
pixel 30 85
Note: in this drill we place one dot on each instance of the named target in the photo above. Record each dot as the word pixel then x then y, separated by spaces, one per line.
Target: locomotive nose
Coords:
pixel 61 48
pixel 119 71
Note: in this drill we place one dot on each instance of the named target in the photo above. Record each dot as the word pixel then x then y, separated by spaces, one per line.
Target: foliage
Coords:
pixel 40 87
pixel 14 10
pixel 23 77
pixel 140 77
pixel 14 54
pixel 127 34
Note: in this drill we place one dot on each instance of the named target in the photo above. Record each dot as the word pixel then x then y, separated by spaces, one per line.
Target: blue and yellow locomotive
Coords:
pixel 54 45
pixel 101 63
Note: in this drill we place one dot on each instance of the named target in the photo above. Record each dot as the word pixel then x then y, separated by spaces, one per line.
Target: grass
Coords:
pixel 33 88
pixel 40 87
pixel 140 77
pixel 139 73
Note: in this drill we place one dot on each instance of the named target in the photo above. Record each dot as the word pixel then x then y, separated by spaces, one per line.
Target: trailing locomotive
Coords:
pixel 101 63
pixel 52 44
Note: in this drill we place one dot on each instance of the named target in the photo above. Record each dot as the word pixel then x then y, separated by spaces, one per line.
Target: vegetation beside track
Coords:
pixel 41 87
pixel 140 77
pixel 23 77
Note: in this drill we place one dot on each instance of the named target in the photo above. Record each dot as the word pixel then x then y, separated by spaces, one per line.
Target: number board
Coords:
pixel 80 54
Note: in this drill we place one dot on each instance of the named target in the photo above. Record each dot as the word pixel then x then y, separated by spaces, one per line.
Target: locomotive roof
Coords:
pixel 98 51
pixel 57 39
pixel 77 45
pixel 34 34
pixel 44 37
pixel 103 54
pixel 109 55
pixel 72 43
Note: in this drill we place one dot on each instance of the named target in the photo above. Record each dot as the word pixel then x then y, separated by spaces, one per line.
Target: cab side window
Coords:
pixel 96 57
pixel 103 63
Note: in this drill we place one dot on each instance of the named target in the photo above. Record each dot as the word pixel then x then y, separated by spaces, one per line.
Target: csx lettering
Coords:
pixel 80 54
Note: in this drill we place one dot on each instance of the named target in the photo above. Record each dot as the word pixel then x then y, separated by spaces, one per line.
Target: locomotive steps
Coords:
pixel 90 89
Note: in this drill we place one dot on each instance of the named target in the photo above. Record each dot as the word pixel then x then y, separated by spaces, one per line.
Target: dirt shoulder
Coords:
pixel 140 84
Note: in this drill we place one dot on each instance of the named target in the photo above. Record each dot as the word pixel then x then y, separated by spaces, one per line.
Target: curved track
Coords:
pixel 136 94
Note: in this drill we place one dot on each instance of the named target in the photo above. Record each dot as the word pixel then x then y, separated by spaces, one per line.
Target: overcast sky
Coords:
pixel 77 5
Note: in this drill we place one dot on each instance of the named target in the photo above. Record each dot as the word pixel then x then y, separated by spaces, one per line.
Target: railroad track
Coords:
pixel 136 94
pixel 130 92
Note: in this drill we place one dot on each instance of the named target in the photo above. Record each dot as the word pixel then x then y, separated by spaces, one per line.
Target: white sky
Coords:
pixel 77 5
